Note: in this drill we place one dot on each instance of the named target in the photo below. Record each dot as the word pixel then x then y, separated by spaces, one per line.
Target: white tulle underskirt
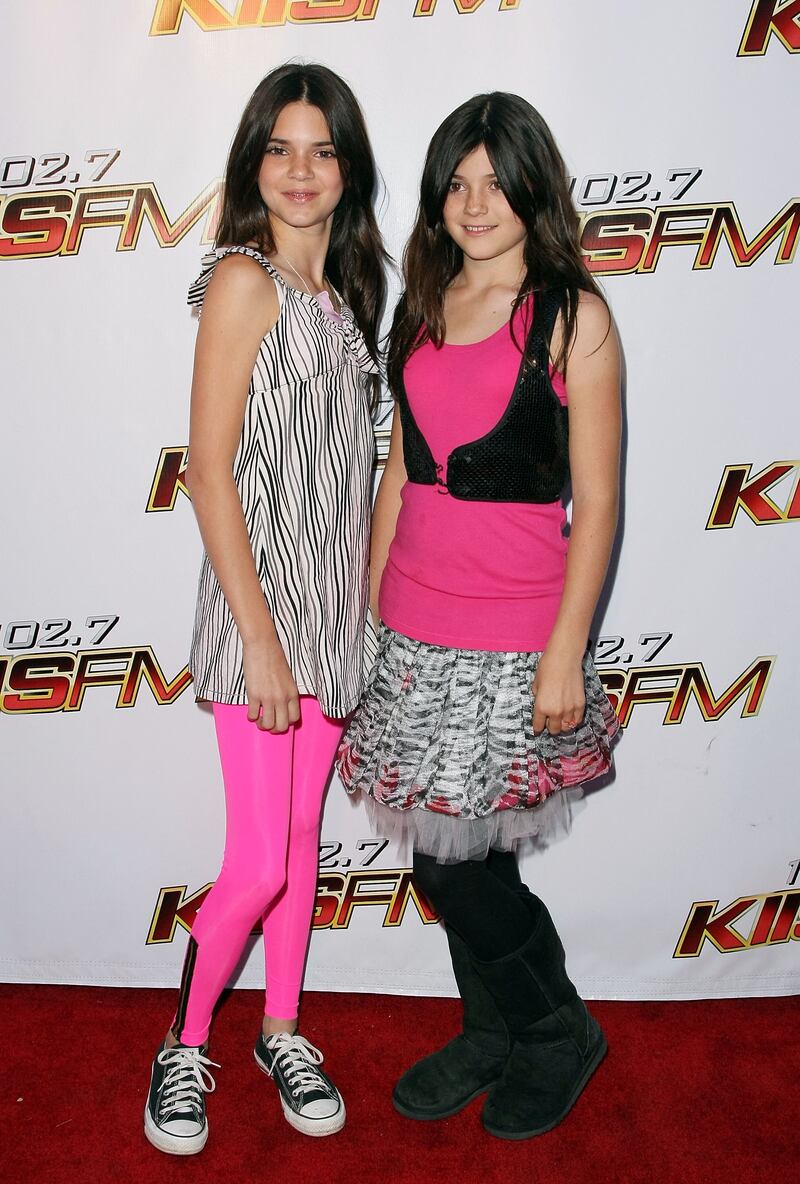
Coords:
pixel 452 840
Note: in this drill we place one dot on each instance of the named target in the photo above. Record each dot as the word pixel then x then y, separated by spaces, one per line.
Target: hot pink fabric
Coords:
pixel 274 787
pixel 471 575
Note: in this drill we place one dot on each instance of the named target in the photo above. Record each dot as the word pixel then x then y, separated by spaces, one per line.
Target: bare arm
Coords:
pixel 594 441
pixel 384 515
pixel 240 307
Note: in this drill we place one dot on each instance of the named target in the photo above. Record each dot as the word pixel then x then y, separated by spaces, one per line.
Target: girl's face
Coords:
pixel 476 214
pixel 299 179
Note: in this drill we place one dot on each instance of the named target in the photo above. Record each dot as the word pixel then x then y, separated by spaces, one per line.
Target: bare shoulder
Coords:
pixel 594 326
pixel 241 293
pixel 243 278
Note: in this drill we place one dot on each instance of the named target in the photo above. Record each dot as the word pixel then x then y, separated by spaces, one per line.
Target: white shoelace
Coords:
pixel 187 1079
pixel 298 1059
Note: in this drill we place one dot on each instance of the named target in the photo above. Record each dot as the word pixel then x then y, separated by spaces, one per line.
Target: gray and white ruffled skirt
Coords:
pixel 443 749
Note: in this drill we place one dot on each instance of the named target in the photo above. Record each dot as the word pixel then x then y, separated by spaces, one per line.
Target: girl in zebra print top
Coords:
pixel 280 462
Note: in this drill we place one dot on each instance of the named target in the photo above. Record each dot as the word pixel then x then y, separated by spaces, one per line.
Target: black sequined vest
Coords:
pixel 525 457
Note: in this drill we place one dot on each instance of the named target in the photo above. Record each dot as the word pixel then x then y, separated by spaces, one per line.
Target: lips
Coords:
pixel 477 229
pixel 301 196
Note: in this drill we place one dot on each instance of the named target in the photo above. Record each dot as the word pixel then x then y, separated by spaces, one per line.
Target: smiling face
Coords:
pixel 299 179
pixel 476 214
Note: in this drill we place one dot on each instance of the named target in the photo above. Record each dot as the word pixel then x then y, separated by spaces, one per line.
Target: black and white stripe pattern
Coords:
pixel 303 470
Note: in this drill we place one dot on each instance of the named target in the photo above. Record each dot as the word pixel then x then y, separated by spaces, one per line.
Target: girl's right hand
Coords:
pixel 273 701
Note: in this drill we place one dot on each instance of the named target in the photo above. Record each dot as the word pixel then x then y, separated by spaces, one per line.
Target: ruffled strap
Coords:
pixel 352 336
pixel 355 344
pixel 197 289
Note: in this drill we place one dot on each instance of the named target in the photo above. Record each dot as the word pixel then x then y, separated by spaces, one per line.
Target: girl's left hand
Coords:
pixel 559 698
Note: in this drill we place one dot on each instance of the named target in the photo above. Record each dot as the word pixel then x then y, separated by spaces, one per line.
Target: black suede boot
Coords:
pixel 557 1044
pixel 444 1082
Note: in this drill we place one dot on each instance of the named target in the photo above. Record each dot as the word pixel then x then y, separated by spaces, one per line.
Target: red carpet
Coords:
pixel 691 1093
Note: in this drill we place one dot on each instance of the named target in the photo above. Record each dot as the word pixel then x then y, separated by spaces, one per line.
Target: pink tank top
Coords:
pixel 465 574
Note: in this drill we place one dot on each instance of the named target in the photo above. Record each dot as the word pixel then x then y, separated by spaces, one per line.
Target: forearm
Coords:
pixel 594 524
pixel 218 510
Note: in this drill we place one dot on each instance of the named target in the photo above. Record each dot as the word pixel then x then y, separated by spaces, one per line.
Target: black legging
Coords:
pixel 484 901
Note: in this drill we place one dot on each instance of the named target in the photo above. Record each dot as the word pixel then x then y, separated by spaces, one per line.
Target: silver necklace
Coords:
pixel 297 273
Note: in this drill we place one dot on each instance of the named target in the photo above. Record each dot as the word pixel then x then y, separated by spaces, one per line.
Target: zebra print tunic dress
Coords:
pixel 303 470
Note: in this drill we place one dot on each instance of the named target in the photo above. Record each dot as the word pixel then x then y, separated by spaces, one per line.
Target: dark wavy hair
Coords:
pixel 356 257
pixel 533 178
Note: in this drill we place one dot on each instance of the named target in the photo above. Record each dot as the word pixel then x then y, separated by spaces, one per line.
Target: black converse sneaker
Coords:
pixel 311 1102
pixel 175 1114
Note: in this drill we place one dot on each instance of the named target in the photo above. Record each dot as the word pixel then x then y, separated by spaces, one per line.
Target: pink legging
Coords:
pixel 273 798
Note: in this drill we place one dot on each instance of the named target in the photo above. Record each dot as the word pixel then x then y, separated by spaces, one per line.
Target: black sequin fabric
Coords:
pixel 525 456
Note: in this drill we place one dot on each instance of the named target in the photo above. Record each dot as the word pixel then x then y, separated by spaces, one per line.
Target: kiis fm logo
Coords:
pixel 39 683
pixel 627 241
pixel 40 224
pixel 338 895
pixel 768 18
pixel 774 921
pixel 675 686
pixel 632 678
pixel 211 16
pixel 55 679
pixel 739 491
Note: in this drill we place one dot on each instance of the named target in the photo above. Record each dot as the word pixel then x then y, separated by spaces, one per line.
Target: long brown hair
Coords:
pixel 356 255
pixel 533 178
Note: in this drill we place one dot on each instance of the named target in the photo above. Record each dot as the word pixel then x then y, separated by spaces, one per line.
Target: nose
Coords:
pixel 475 202
pixel 300 167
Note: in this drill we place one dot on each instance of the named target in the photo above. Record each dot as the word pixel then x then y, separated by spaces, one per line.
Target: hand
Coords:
pixel 273 701
pixel 559 698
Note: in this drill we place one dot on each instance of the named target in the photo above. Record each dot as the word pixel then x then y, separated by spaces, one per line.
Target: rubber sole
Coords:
pixel 315 1127
pixel 173 1144
pixel 598 1056
pixel 428 1116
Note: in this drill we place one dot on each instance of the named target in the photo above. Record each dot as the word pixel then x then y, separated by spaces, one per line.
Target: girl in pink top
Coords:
pixel 484 712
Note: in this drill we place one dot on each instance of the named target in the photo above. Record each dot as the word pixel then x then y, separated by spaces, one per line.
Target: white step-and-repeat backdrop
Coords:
pixel 682 875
